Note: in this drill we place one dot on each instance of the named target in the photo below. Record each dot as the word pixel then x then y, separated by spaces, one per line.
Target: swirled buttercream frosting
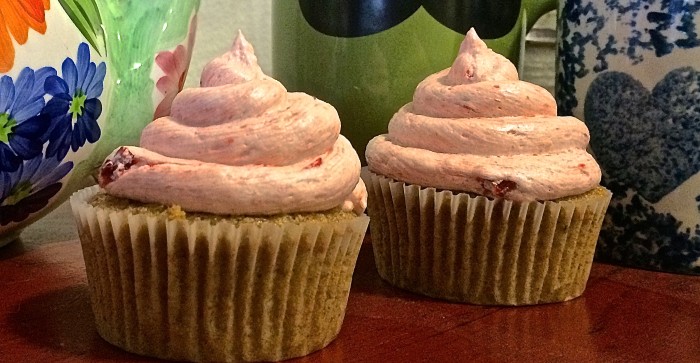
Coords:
pixel 240 144
pixel 475 127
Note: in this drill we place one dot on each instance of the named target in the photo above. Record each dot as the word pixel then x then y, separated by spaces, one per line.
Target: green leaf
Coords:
pixel 86 17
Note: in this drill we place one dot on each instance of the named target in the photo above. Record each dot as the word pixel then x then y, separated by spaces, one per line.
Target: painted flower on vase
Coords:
pixel 16 18
pixel 36 134
pixel 29 188
pixel 22 125
pixel 174 64
pixel 75 106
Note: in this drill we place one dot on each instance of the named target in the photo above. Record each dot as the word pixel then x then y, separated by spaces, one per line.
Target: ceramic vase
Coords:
pixel 631 71
pixel 77 79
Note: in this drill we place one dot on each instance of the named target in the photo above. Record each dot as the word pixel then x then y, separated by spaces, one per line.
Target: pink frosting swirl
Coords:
pixel 476 127
pixel 241 145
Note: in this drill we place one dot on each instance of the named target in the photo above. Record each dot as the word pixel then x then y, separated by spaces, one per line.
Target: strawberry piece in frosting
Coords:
pixel 241 145
pixel 114 167
pixel 476 127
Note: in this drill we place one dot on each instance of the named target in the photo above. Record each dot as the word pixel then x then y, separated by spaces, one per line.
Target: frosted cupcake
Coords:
pixel 232 232
pixel 479 193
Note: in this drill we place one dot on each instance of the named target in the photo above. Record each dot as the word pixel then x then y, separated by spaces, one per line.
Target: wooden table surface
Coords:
pixel 625 315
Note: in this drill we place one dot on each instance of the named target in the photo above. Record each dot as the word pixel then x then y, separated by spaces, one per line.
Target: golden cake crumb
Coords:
pixel 176 212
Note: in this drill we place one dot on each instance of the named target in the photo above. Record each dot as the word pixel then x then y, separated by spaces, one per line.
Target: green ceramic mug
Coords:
pixel 365 57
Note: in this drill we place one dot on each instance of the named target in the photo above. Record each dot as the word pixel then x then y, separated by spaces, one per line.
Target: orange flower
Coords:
pixel 16 17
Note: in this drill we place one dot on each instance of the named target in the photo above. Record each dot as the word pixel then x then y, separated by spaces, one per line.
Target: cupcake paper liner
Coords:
pixel 478 250
pixel 201 291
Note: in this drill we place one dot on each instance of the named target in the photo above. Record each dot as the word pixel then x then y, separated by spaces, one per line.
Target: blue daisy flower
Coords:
pixel 28 189
pixel 75 106
pixel 22 126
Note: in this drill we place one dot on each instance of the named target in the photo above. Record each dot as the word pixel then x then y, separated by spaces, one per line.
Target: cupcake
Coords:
pixel 231 233
pixel 479 193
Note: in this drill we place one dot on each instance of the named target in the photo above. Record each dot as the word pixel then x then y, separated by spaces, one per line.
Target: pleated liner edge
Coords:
pixel 481 251
pixel 197 291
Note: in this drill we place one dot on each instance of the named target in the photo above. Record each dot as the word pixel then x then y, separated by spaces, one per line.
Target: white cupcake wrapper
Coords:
pixel 477 250
pixel 193 290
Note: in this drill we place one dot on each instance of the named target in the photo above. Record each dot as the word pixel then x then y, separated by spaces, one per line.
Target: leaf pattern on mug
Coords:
pixel 356 18
pixel 491 19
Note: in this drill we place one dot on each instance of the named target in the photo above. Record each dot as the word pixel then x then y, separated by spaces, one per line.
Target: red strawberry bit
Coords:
pixel 315 164
pixel 497 188
pixel 113 168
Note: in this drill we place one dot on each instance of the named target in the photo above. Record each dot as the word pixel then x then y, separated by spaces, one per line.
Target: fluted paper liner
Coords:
pixel 203 291
pixel 477 250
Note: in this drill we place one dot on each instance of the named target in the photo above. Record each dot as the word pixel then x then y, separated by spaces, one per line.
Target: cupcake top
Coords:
pixel 240 145
pixel 475 127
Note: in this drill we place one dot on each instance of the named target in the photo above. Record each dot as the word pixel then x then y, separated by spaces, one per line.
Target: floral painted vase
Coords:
pixel 77 79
